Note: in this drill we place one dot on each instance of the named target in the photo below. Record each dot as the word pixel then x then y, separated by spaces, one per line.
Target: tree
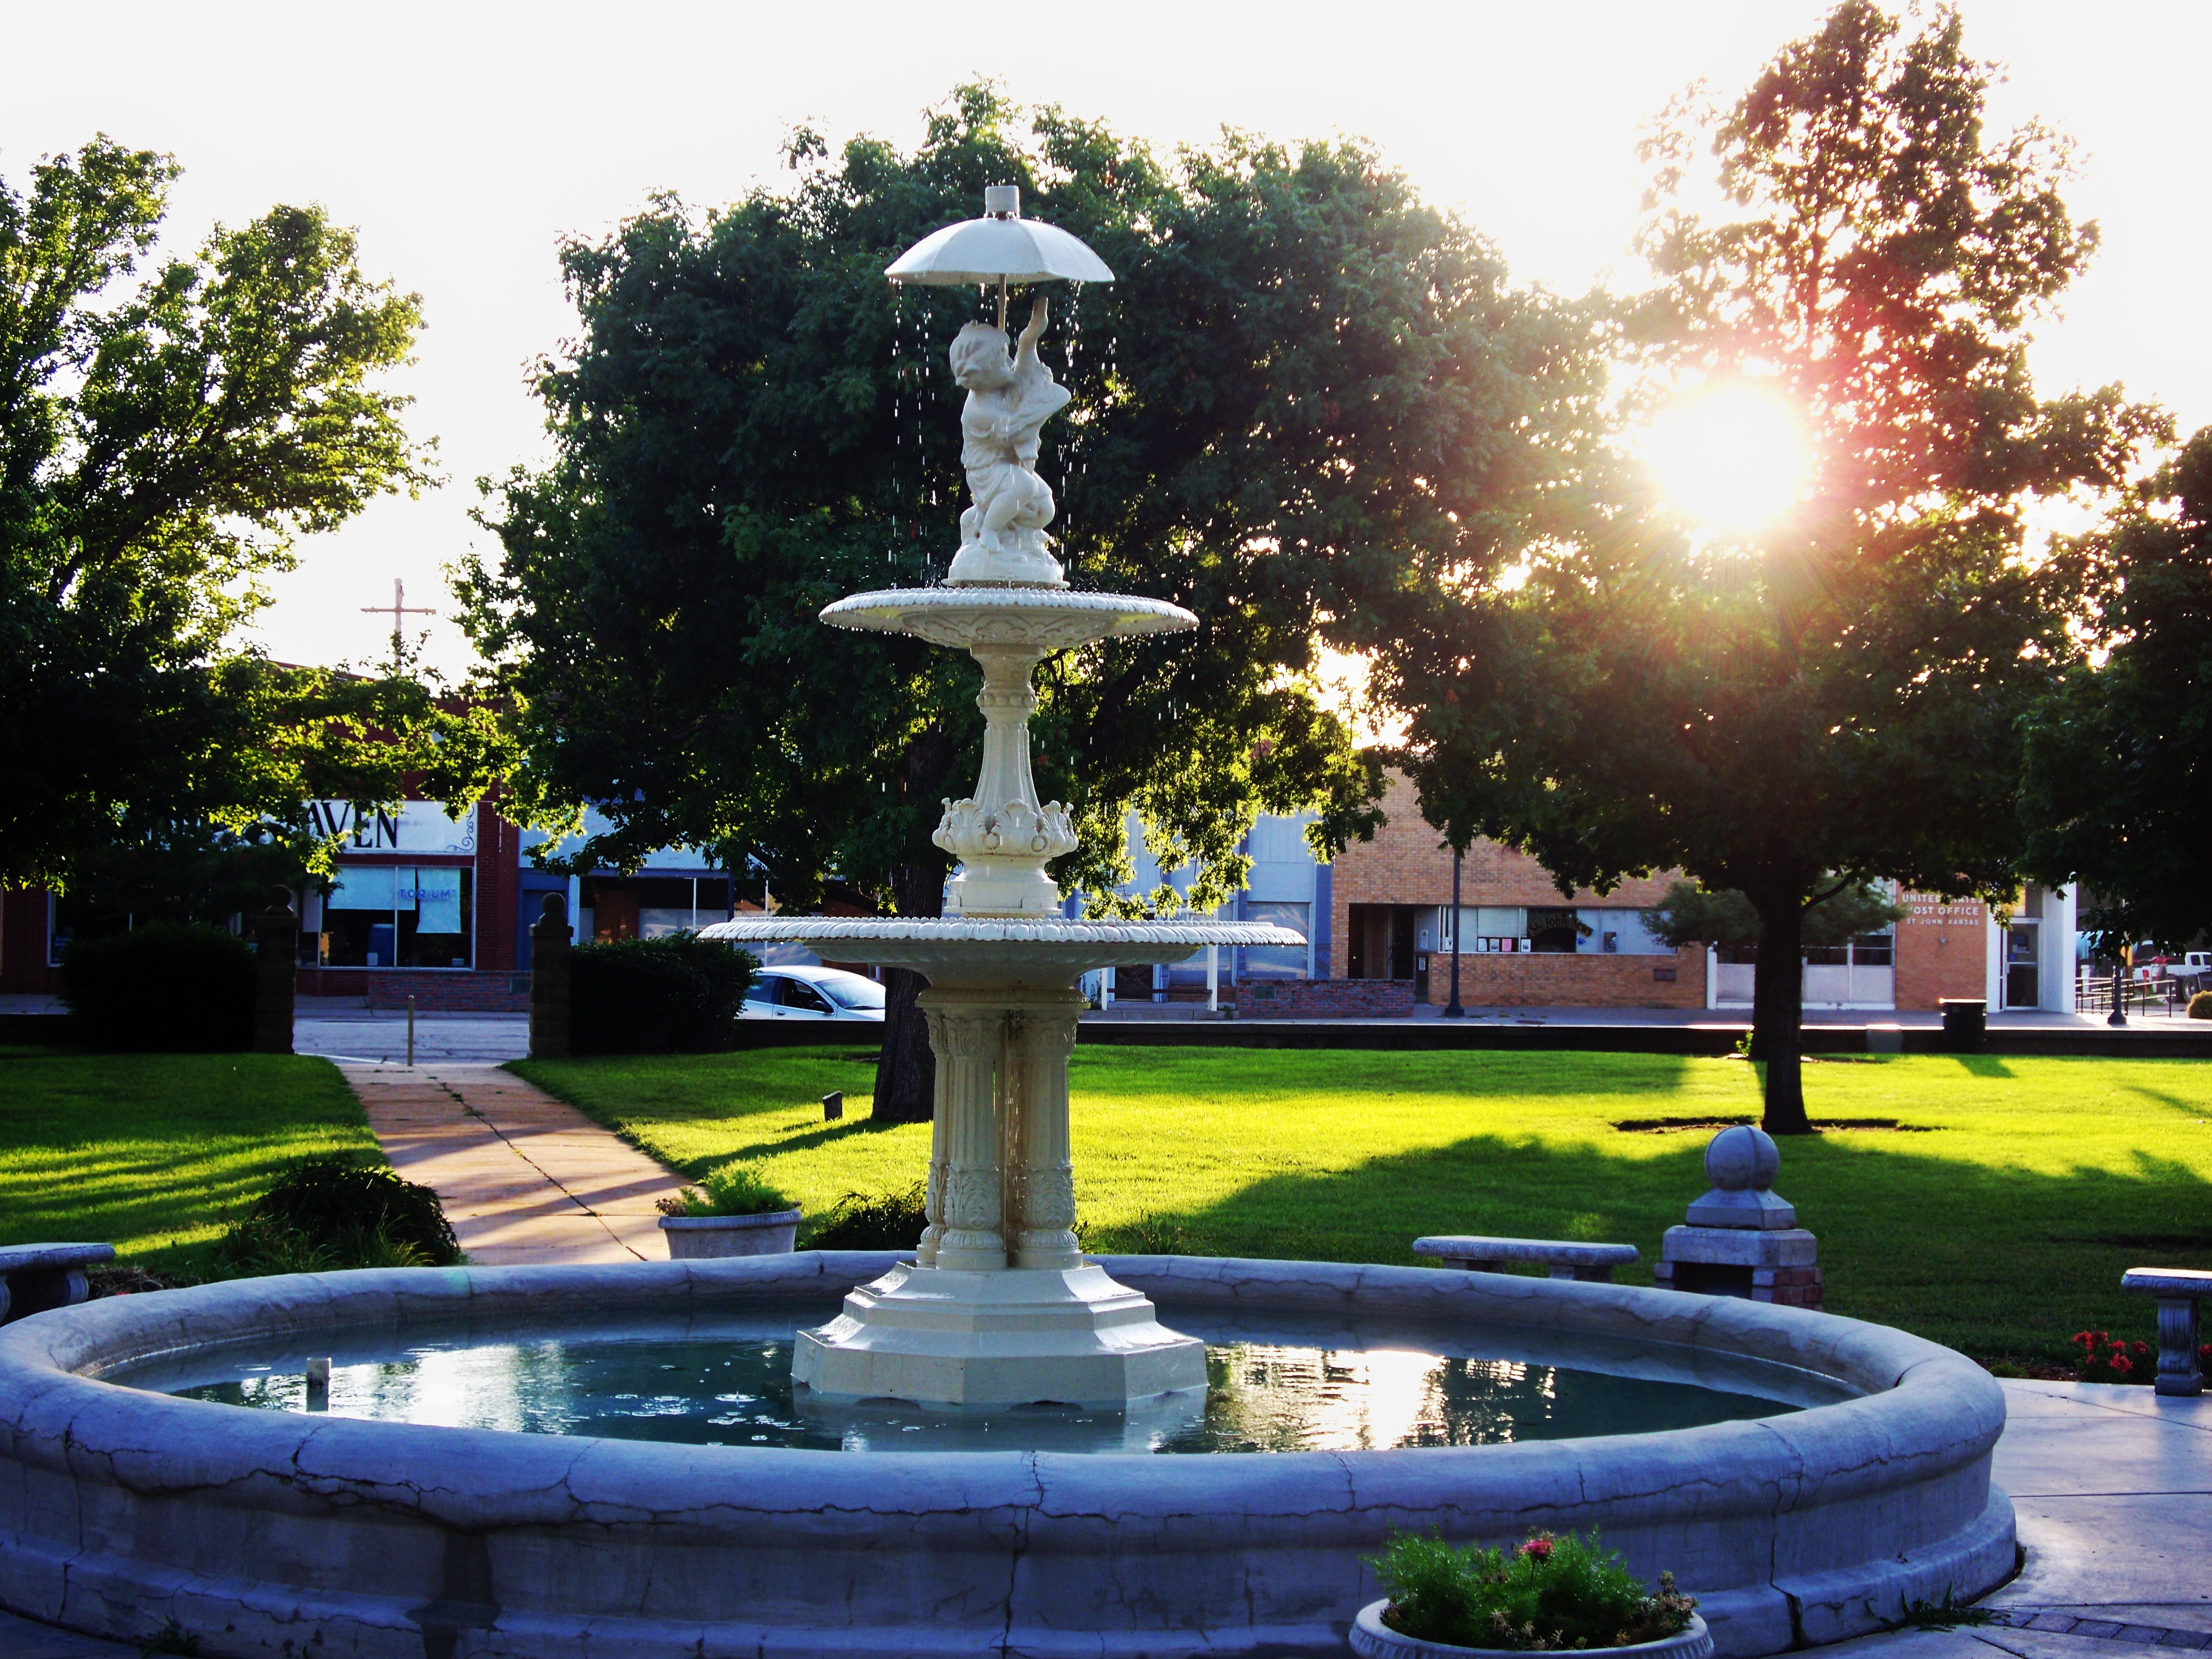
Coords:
pixel 161 446
pixel 2119 759
pixel 1691 914
pixel 1301 374
pixel 1833 697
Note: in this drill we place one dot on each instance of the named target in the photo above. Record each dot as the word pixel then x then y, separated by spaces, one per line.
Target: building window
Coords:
pixel 648 907
pixel 1280 961
pixel 398 916
pixel 1553 930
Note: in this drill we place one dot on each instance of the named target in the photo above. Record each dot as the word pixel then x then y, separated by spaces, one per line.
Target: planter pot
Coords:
pixel 691 1238
pixel 1373 1639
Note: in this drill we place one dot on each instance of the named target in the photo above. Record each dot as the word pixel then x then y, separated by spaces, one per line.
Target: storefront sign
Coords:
pixel 418 826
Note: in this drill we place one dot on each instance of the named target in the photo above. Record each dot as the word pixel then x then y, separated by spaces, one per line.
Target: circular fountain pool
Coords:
pixel 1279 1386
pixel 122 1507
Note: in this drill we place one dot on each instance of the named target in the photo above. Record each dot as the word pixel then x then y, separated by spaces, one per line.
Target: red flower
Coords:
pixel 1538 1548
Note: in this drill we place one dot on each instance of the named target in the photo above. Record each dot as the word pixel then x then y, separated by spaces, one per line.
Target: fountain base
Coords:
pixel 1019 1336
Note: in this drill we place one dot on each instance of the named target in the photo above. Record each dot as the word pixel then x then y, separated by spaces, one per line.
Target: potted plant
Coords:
pixel 733 1211
pixel 1548 1594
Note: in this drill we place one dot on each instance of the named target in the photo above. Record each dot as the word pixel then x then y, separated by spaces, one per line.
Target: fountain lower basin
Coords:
pixel 265 1532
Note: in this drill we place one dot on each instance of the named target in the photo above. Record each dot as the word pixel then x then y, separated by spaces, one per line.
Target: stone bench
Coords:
pixel 36 1277
pixel 2180 1292
pixel 1563 1257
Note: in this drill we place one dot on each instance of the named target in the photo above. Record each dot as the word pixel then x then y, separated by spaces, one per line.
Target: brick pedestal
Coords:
pixel 1773 1264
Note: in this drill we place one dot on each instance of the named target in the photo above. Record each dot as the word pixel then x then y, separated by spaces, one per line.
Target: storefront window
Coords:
pixel 649 907
pixel 399 916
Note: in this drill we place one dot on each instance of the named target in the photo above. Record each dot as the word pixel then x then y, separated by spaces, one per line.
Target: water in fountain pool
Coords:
pixel 1268 1390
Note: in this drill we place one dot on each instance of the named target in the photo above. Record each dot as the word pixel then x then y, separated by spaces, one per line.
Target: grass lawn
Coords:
pixel 1997 1219
pixel 157 1153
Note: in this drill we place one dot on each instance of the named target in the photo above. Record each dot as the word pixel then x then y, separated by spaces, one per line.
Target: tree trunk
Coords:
pixel 1777 1007
pixel 906 1071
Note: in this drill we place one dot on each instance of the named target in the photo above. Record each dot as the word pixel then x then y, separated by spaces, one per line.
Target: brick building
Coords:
pixel 1523 943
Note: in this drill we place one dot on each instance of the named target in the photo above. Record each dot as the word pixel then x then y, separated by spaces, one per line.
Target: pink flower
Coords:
pixel 1538 1549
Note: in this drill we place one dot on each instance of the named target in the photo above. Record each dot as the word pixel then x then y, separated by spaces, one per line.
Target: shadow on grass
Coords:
pixel 1998 1261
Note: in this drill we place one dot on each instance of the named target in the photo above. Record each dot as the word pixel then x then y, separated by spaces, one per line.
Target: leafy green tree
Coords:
pixel 1301 375
pixel 162 444
pixel 1692 915
pixel 1834 697
pixel 2119 761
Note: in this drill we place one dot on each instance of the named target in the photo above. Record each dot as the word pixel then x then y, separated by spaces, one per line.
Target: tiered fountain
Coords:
pixel 675 1495
pixel 999 1307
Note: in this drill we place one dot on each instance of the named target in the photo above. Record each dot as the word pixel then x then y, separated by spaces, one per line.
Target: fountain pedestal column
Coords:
pixel 999 1307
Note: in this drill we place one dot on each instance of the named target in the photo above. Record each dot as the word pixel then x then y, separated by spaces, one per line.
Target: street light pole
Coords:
pixel 1452 1010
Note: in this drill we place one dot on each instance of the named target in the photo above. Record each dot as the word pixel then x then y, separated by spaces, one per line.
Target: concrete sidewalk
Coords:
pixel 525 1178
pixel 2114 1486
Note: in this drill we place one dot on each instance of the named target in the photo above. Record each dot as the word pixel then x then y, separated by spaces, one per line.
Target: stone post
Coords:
pixel 1742 1237
pixel 1040 1037
pixel 970 1215
pixel 276 948
pixel 548 980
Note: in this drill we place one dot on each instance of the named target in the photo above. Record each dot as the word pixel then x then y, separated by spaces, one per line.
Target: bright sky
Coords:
pixel 463 140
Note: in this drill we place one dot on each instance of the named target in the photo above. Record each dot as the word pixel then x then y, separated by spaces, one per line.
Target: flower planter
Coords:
pixel 692 1237
pixel 1373 1639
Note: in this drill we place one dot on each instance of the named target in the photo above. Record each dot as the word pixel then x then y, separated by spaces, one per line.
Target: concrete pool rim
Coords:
pixel 120 1509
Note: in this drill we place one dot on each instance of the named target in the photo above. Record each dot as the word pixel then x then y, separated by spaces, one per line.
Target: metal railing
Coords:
pixel 2166 997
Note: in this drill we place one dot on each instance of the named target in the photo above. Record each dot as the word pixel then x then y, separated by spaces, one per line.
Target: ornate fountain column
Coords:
pixel 1002 834
pixel 1040 1172
pixel 967 1039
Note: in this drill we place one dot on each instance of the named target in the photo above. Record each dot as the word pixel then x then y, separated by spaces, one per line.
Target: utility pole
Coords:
pixel 400 611
pixel 1452 1010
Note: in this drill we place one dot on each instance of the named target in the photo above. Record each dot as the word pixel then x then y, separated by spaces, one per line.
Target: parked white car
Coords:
pixel 813 994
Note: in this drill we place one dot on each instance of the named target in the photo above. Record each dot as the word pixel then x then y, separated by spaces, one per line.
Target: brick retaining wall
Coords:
pixel 1521 980
pixel 1321 999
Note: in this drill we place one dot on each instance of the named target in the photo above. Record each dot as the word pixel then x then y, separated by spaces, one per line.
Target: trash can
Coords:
pixel 1965 1025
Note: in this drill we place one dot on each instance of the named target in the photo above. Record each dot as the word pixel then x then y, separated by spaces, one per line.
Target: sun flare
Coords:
pixel 1733 456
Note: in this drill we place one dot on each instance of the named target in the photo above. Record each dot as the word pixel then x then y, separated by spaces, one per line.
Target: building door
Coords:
pixel 2023 984
pixel 1404 918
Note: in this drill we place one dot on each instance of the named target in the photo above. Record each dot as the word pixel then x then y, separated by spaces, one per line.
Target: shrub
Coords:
pixel 2200 1005
pixel 167 988
pixel 680 994
pixel 1552 1592
pixel 337 1211
pixel 877 1221
pixel 734 1189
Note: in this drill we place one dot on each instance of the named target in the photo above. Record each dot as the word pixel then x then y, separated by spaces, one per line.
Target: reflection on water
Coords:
pixel 733 1388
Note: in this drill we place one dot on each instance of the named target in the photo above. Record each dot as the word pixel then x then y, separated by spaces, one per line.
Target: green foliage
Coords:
pixel 340 1210
pixel 1302 379
pixel 163 443
pixel 165 987
pixel 1552 1592
pixel 875 1221
pixel 677 994
pixel 1693 915
pixel 734 1189
pixel 1836 694
pixel 1920 1613
pixel 2119 762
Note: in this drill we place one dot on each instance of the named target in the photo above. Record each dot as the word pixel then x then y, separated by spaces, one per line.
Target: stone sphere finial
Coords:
pixel 1742 1158
pixel 1741 1162
pixel 556 906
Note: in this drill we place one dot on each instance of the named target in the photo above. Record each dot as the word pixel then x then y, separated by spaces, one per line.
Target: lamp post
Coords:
pixel 2119 1014
pixel 1452 1010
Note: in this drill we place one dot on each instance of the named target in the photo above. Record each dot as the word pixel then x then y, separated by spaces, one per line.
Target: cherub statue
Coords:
pixel 1010 397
